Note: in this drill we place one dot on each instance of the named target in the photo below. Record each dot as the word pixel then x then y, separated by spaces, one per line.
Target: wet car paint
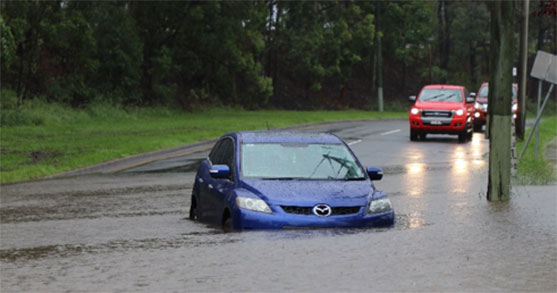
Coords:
pixel 128 232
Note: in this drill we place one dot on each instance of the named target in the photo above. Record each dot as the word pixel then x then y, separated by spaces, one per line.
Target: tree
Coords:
pixel 499 108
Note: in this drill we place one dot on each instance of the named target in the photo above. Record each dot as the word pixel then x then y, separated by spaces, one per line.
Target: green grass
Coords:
pixel 41 139
pixel 540 171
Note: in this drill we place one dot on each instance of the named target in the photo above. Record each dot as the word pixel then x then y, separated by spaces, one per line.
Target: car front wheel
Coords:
pixel 193 209
pixel 462 137
pixel 413 135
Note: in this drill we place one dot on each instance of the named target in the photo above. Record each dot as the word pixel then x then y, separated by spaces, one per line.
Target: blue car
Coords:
pixel 274 180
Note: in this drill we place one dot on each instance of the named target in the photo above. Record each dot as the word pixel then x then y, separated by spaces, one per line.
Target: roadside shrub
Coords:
pixel 8 99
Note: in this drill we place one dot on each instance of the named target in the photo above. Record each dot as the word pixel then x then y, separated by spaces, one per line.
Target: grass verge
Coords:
pixel 44 139
pixel 540 171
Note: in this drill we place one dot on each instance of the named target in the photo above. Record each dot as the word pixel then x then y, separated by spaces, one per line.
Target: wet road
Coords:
pixel 128 232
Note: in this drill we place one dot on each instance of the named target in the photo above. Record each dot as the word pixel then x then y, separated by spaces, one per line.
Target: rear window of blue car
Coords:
pixel 298 161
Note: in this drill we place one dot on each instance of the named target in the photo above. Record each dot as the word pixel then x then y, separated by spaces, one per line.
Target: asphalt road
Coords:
pixel 126 231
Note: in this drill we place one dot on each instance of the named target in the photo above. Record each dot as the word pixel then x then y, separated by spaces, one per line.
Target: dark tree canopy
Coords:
pixel 253 54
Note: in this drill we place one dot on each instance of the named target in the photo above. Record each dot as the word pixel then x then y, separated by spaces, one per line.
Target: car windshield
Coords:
pixel 484 92
pixel 299 161
pixel 440 95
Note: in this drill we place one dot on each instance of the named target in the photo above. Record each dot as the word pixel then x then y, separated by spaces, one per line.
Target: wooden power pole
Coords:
pixel 500 93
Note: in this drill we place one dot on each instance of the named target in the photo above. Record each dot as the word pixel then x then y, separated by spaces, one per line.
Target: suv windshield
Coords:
pixel 484 92
pixel 298 161
pixel 440 95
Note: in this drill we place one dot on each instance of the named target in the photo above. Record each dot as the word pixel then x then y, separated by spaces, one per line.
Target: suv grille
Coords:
pixel 308 210
pixel 437 113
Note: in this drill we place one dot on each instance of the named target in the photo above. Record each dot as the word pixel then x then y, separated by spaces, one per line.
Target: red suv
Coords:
pixel 481 105
pixel 444 109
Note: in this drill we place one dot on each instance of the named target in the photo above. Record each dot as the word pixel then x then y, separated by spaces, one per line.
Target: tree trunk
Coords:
pixel 500 93
pixel 444 35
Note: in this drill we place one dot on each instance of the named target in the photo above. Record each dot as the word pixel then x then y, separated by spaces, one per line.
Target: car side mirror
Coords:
pixel 412 98
pixel 220 171
pixel 374 173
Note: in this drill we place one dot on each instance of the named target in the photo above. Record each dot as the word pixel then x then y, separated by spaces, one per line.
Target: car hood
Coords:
pixel 310 192
pixel 439 105
pixel 484 100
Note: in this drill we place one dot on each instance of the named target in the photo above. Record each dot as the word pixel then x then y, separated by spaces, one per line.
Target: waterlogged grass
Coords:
pixel 49 139
pixel 540 171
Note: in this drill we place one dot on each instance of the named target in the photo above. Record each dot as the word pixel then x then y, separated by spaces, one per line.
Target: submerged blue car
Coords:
pixel 277 179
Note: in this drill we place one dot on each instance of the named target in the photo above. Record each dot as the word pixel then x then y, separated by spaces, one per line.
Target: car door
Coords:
pixel 218 188
pixel 203 179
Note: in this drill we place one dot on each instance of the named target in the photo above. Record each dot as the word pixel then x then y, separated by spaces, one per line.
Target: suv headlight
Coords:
pixel 414 111
pixel 459 112
pixel 515 107
pixel 253 204
pixel 379 206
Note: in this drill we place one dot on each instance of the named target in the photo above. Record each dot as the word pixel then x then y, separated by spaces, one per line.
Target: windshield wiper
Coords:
pixel 434 97
pixel 447 97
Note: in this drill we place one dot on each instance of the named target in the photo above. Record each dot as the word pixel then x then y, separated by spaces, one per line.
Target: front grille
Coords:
pixel 336 211
pixel 297 210
pixel 437 113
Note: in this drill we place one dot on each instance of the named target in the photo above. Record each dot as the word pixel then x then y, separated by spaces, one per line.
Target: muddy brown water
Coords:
pixel 129 232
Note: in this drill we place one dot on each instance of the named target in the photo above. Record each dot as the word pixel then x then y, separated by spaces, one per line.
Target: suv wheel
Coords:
pixel 413 135
pixel 462 137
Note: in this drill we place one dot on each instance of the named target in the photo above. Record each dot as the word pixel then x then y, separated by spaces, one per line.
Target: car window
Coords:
pixel 440 95
pixel 484 92
pixel 223 154
pixel 299 161
pixel 215 152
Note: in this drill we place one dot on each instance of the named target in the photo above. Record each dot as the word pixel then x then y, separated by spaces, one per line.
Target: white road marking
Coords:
pixel 390 132
pixel 355 142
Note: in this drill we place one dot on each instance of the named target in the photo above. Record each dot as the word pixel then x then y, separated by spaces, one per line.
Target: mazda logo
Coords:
pixel 322 210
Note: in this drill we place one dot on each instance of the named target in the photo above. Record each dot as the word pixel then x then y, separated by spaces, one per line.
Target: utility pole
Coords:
pixel 500 92
pixel 522 68
pixel 379 35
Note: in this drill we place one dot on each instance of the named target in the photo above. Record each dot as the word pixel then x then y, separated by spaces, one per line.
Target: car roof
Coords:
pixel 443 86
pixel 281 136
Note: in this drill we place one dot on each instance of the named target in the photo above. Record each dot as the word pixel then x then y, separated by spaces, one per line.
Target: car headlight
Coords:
pixel 379 206
pixel 477 105
pixel 414 111
pixel 459 112
pixel 253 204
pixel 515 107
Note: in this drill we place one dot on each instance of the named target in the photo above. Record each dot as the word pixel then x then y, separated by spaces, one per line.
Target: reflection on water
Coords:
pixel 415 171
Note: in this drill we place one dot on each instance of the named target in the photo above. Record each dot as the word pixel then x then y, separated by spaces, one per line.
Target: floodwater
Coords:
pixel 128 232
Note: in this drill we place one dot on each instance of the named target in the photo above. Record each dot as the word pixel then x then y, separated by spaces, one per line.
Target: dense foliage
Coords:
pixel 254 54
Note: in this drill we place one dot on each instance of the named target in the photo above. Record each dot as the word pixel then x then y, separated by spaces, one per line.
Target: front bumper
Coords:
pixel 246 220
pixel 454 125
pixel 479 117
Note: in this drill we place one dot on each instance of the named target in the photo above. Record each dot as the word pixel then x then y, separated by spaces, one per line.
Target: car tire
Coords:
pixel 413 135
pixel 462 137
pixel 227 224
pixel 422 135
pixel 193 209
